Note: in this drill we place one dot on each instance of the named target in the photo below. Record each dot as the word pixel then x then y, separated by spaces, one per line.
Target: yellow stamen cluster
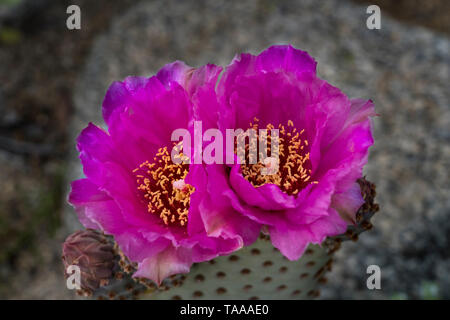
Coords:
pixel 155 181
pixel 294 164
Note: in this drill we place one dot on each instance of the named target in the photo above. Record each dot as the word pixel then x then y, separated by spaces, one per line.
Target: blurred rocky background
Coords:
pixel 52 82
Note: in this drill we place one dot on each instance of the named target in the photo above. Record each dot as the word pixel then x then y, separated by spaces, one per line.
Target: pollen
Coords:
pixel 290 169
pixel 162 187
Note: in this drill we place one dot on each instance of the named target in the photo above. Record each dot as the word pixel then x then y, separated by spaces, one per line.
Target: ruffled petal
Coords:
pixel 191 79
pixel 118 95
pixel 348 202
pixel 292 239
pixel 266 197
pixel 328 226
pixel 95 208
pixel 176 71
pixel 146 125
pixel 291 242
pixel 212 210
pixel 164 264
pixel 285 58
pixel 137 247
pixel 278 58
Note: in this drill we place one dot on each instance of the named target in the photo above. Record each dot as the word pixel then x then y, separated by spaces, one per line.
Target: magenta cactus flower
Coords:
pixel 324 141
pixel 161 214
pixel 167 213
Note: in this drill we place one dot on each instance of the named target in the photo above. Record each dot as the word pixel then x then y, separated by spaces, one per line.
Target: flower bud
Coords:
pixel 94 254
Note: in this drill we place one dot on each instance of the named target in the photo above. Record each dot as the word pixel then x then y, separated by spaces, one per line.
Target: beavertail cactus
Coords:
pixel 185 208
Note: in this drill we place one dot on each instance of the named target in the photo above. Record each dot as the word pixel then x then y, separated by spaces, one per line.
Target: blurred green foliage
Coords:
pixel 399 296
pixel 43 216
pixel 10 36
pixel 428 290
pixel 9 2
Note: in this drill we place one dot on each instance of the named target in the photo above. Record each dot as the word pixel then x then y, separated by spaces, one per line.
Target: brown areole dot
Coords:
pixel 135 293
pixel 245 271
pixel 198 294
pixel 310 263
pixel 129 287
pixel 221 290
pixel 296 292
pixel 314 293
pixel 323 280
pixel 247 287
pixel 267 263
pixel 199 278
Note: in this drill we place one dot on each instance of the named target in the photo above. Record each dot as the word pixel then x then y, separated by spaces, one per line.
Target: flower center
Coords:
pixel 290 170
pixel 163 188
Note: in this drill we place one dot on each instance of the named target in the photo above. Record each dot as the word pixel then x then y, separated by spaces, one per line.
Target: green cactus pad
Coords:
pixel 256 272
